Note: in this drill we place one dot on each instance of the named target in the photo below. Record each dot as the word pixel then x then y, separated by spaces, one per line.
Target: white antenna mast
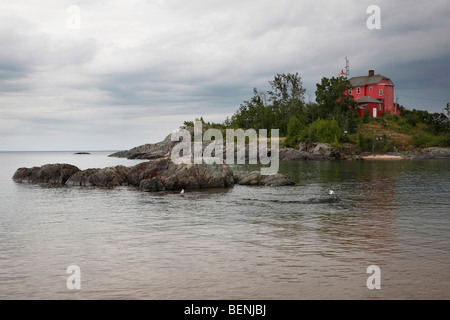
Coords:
pixel 347 67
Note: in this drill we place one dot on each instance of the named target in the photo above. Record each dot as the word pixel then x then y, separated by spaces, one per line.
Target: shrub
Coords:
pixel 293 130
pixel 440 141
pixel 404 127
pixel 366 116
pixel 421 139
pixel 327 131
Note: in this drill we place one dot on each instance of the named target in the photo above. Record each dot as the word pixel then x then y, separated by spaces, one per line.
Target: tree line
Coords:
pixel 332 118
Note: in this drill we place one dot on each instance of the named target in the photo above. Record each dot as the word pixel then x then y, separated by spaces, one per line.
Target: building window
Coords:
pixel 380 92
pixel 370 88
pixel 379 106
pixel 350 91
pixel 358 90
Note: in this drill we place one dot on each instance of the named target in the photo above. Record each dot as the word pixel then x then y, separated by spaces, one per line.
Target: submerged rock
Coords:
pixel 49 173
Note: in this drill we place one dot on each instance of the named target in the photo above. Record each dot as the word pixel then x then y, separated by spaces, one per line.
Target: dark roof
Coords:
pixel 367 99
pixel 365 80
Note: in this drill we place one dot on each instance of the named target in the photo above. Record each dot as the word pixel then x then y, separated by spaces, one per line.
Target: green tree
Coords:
pixel 438 122
pixel 413 117
pixel 287 99
pixel 294 129
pixel 250 114
pixel 335 102
pixel 446 112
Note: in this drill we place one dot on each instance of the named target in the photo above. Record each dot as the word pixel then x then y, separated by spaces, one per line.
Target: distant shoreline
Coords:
pixel 419 154
pixel 55 151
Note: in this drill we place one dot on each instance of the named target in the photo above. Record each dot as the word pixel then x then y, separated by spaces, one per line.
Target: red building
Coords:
pixel 373 92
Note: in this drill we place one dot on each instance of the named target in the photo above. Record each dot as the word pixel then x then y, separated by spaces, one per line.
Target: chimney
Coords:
pixel 371 73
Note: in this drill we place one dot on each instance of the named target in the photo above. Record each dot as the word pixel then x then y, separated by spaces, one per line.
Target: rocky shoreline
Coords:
pixel 427 153
pixel 314 151
pixel 304 152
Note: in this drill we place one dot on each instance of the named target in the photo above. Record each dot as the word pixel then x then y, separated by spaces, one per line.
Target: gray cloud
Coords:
pixel 136 70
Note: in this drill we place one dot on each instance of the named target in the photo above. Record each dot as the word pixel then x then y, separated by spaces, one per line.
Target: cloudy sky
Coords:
pixel 111 75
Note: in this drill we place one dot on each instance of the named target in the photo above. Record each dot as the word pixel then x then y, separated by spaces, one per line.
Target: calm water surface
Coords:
pixel 240 243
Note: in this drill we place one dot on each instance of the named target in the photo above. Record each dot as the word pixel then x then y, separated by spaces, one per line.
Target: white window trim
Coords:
pixel 358 90
pixel 380 92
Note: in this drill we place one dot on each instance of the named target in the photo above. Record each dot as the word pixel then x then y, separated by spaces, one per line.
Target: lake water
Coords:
pixel 240 243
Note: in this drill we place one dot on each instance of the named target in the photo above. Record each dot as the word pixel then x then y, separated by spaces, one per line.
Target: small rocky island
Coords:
pixel 155 175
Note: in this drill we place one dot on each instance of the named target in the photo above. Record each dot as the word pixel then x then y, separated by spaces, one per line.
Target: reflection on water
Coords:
pixel 240 243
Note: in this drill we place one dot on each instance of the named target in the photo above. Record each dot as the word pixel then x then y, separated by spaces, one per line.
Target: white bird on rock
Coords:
pixel 182 192
pixel 332 194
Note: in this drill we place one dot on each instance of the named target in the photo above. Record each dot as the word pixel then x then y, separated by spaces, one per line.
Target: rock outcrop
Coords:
pixel 107 177
pixel 148 151
pixel 313 151
pixel 157 175
pixel 161 175
pixel 49 173
pixel 303 152
pixel 428 153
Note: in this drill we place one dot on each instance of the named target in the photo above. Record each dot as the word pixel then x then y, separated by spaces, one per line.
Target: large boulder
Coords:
pixel 162 175
pixel 107 177
pixel 49 173
pixel 291 154
pixel 145 170
pixel 255 178
pixel 323 151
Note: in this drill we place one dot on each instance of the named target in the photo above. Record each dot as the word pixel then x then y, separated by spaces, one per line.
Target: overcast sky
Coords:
pixel 135 70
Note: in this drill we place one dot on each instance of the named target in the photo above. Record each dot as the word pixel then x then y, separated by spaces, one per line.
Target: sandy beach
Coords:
pixel 382 157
